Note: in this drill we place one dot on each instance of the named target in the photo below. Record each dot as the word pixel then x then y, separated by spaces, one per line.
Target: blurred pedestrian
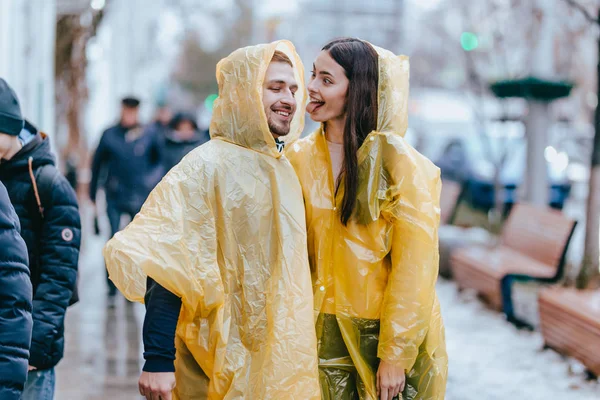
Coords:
pixel 219 249
pixel 162 118
pixel 372 207
pixel 182 137
pixel 15 301
pixel 123 165
pixel 48 212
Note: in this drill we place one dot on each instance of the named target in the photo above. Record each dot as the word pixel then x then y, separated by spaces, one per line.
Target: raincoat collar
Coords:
pixel 238 115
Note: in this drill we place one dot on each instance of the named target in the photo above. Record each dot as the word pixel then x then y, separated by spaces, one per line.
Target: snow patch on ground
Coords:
pixel 490 359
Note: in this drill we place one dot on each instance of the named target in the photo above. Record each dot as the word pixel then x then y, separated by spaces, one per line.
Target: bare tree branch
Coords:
pixel 584 11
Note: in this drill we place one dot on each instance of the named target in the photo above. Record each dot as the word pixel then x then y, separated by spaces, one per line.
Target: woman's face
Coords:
pixel 327 89
pixel 185 129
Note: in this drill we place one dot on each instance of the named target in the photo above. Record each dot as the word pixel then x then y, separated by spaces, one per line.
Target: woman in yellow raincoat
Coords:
pixel 372 209
pixel 225 232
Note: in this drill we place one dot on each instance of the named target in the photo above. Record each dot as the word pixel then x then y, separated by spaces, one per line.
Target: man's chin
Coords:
pixel 279 130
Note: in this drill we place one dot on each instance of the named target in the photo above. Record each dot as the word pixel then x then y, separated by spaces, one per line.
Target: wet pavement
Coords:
pixel 102 345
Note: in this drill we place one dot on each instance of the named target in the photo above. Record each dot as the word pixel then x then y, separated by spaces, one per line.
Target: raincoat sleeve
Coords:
pixel 173 241
pixel 410 293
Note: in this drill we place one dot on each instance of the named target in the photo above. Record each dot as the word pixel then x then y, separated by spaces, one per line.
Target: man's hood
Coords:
pixel 238 114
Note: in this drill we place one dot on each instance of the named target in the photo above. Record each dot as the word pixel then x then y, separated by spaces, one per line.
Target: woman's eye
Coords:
pixel 327 81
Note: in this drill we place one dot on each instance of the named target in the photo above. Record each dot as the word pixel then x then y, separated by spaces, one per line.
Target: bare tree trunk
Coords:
pixel 589 277
pixel 75 96
pixel 71 93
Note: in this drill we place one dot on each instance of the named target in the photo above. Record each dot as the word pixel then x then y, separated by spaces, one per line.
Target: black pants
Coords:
pixel 114 218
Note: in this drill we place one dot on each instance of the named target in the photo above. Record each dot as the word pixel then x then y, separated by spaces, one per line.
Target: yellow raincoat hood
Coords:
pixel 240 77
pixel 374 279
pixel 225 231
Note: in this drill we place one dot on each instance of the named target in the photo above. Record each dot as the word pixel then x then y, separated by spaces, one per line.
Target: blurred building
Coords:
pixel 315 22
pixel 27 32
pixel 130 55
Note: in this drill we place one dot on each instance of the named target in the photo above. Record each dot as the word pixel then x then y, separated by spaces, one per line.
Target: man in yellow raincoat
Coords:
pixel 374 277
pixel 225 232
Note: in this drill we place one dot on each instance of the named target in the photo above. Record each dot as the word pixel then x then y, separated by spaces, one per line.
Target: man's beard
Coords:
pixel 280 130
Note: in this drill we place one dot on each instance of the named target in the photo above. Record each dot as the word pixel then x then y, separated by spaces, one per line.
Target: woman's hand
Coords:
pixel 390 381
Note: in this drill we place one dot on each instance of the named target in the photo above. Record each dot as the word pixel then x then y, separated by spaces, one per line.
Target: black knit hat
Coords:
pixel 181 117
pixel 11 120
pixel 130 102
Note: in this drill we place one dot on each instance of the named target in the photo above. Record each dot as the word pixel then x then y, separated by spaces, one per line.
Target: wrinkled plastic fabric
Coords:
pixel 225 231
pixel 374 279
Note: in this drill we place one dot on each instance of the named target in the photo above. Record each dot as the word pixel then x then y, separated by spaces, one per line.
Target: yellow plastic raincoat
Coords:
pixel 374 279
pixel 225 231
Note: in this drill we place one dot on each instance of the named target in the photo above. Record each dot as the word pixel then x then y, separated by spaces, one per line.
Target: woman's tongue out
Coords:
pixel 313 106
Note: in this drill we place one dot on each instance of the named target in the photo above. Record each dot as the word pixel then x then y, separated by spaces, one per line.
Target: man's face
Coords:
pixel 6 144
pixel 279 89
pixel 129 116
pixel 164 115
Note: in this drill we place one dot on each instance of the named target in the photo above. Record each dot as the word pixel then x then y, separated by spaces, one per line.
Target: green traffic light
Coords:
pixel 469 41
pixel 210 100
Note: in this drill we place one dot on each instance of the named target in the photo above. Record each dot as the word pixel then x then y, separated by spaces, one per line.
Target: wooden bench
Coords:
pixel 533 246
pixel 570 322
pixel 449 198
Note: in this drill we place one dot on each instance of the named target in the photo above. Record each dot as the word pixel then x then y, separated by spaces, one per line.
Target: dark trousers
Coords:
pixel 114 218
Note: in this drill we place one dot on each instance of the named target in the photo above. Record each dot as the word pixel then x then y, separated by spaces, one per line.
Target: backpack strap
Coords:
pixel 42 183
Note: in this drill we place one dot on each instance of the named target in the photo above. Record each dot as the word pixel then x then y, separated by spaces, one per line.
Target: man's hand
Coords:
pixel 157 385
pixel 31 368
pixel 390 381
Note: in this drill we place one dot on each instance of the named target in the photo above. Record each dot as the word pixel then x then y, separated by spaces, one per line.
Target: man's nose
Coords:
pixel 289 99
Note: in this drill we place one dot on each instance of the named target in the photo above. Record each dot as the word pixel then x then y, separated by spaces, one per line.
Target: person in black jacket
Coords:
pixel 162 118
pixel 15 303
pixel 123 165
pixel 47 208
pixel 182 137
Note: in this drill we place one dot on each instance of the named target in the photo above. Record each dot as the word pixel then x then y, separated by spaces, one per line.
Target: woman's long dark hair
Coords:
pixel 360 62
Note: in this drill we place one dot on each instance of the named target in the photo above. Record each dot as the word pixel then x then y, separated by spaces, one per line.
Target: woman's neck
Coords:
pixel 334 130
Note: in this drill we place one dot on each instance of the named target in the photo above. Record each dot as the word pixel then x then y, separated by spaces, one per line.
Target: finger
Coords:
pixel 378 385
pixel 384 394
pixel 141 389
pixel 395 391
pixel 154 395
pixel 166 395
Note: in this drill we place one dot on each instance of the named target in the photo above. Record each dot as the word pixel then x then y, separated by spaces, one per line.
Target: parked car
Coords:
pixel 467 160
